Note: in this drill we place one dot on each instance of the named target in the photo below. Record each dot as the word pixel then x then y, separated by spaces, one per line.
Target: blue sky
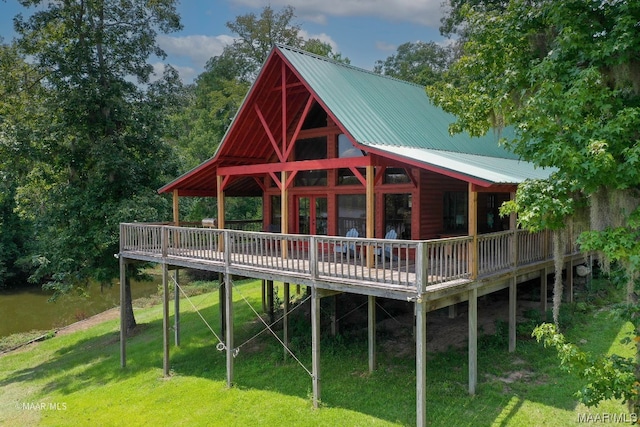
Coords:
pixel 362 30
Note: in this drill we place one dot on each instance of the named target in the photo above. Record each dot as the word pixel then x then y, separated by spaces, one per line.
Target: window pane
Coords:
pixel 455 211
pixel 311 149
pixel 396 176
pixel 397 214
pixel 276 214
pixel 346 148
pixel 352 213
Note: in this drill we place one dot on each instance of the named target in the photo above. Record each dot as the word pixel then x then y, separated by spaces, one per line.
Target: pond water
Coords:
pixel 28 308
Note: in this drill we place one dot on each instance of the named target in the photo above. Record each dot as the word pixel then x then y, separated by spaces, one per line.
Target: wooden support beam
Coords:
pixel 513 301
pixel 123 315
pixel 370 212
pixel 570 280
pixel 285 320
pixel 453 311
pixel 264 295
pixel 270 301
pixel 222 303
pixel 220 192
pixel 372 333
pixel 229 326
pixel 473 231
pixel 333 315
pixel 165 319
pixel 315 346
pixel 176 314
pixel 473 340
pixel 543 293
pixel 421 363
pixel 176 209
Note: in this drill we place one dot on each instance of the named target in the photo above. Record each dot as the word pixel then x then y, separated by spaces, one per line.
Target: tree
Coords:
pixel 99 156
pixel 566 76
pixel 422 63
pixel 215 98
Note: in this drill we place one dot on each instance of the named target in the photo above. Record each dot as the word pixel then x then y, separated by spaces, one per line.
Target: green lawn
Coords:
pixel 76 379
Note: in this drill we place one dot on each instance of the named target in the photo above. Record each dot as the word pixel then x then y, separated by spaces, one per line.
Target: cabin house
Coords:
pixel 365 192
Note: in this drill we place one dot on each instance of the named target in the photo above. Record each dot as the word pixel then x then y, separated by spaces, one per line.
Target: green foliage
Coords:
pixel 94 151
pixel 606 377
pixel 422 63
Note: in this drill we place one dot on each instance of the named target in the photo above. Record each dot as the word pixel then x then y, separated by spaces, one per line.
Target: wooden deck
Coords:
pixel 397 269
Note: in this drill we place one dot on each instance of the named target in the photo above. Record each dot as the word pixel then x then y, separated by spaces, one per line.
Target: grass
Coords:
pixel 76 379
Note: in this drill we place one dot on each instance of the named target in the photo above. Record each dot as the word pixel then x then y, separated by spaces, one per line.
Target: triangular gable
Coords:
pixel 381 115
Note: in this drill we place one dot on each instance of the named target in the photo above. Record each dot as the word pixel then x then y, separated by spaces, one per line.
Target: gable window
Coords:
pixel 311 149
pixel 396 176
pixel 345 150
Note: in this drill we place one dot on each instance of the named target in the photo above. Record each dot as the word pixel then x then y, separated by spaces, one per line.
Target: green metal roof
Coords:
pixel 383 111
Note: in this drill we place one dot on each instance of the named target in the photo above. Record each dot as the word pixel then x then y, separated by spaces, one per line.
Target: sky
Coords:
pixel 362 30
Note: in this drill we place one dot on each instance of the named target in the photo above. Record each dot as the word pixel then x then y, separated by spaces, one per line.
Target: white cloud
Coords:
pixel 386 47
pixel 199 49
pixel 423 12
pixel 187 74
pixel 323 37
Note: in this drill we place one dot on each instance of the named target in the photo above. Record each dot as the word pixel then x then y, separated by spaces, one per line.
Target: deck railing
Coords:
pixel 407 264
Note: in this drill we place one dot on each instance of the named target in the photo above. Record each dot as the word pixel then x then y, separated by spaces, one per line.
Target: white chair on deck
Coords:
pixel 391 235
pixel 353 232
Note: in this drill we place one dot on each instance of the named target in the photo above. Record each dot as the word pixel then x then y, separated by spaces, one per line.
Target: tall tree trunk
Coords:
pixel 130 320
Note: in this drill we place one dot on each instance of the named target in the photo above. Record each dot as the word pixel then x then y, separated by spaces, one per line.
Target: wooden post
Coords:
pixel 123 315
pixel 513 301
pixel 453 311
pixel 285 320
pixel 229 324
pixel 570 279
pixel 543 293
pixel 333 315
pixel 370 212
pixel 372 334
pixel 176 209
pixel 315 345
pixel 222 303
pixel 220 196
pixel 165 318
pixel 264 296
pixel 284 210
pixel 421 363
pixel 176 315
pixel 473 340
pixel 270 303
pixel 473 231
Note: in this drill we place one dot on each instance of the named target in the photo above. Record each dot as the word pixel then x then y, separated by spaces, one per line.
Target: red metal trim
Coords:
pixel 276 180
pixel 302 165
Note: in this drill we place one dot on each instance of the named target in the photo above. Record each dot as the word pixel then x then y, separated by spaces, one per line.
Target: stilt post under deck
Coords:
pixel 513 300
pixel 176 318
pixel 421 363
pixel 123 316
pixel 543 293
pixel 473 340
pixel 229 326
pixel 222 304
pixel 570 279
pixel 315 345
pixel 165 318
pixel 285 320
pixel 372 334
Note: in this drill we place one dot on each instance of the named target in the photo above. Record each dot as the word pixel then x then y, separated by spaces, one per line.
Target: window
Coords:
pixel 311 149
pixel 455 207
pixel 397 214
pixel 345 150
pixel 352 213
pixel 276 214
pixel 396 176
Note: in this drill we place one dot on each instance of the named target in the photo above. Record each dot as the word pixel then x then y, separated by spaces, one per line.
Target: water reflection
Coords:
pixel 26 309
